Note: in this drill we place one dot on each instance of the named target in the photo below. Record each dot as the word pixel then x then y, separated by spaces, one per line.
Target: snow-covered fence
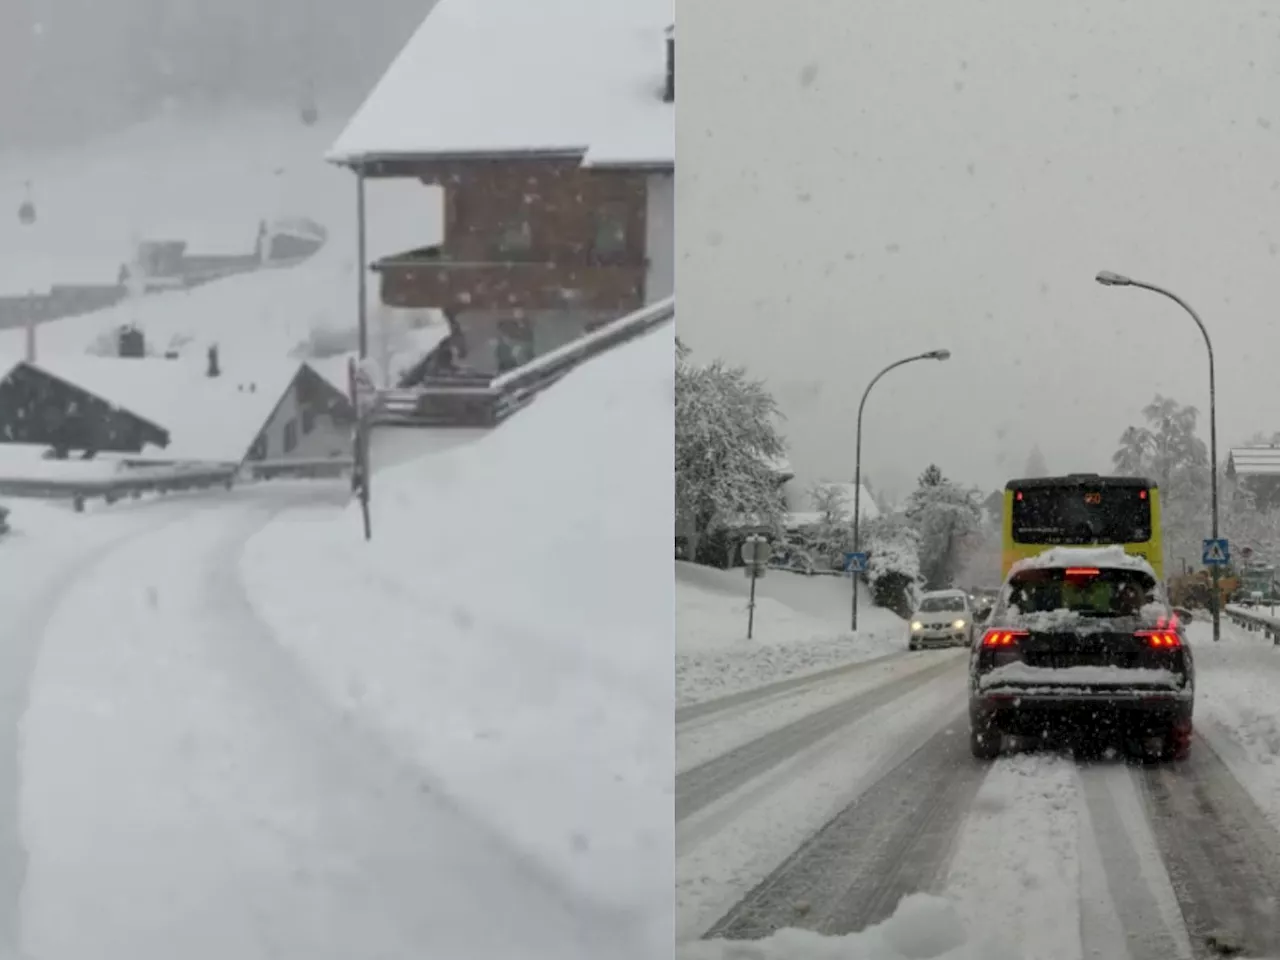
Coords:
pixel 489 402
pixel 80 490
pixel 1255 622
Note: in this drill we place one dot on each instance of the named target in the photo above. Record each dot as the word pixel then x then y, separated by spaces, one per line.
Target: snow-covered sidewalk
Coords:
pixel 508 629
pixel 1238 709
pixel 801 627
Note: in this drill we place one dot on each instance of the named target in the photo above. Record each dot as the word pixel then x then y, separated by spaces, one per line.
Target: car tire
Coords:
pixel 1177 745
pixel 984 743
pixel 912 645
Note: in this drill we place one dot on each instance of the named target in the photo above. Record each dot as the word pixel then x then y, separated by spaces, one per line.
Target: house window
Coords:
pixel 290 436
pixel 610 245
pixel 308 419
pixel 515 240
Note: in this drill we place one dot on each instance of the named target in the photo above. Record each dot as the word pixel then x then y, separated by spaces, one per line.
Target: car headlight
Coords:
pixel 917 625
pixel 959 624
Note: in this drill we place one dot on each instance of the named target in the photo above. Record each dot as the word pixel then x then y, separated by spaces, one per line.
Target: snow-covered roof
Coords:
pixel 780 465
pixel 207 418
pixel 493 77
pixel 1255 461
pixel 1058 558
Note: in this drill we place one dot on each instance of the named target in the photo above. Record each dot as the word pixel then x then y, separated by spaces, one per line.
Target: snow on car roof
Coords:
pixel 582 77
pixel 1110 557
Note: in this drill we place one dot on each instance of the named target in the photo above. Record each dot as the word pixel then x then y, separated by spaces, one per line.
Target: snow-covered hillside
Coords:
pixel 209 183
pixel 509 627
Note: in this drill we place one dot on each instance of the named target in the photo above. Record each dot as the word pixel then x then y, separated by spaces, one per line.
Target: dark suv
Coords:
pixel 1083 643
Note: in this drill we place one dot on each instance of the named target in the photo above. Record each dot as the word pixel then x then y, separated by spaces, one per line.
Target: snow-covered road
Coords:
pixel 822 804
pixel 180 789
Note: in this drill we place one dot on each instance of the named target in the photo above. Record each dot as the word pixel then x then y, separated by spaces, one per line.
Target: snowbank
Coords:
pixel 922 928
pixel 509 626
pixel 801 626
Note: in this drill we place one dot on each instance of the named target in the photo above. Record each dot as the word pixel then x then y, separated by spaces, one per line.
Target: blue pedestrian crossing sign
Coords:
pixel 1217 553
pixel 855 562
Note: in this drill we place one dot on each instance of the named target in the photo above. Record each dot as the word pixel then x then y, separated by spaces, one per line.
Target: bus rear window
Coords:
pixel 1079 515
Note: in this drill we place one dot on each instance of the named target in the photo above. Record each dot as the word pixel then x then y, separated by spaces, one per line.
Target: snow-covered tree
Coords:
pixel 893 562
pixel 943 514
pixel 833 531
pixel 1036 465
pixel 1168 451
pixel 726 440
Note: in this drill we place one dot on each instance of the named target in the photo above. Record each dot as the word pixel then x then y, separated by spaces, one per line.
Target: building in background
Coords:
pixel 551 130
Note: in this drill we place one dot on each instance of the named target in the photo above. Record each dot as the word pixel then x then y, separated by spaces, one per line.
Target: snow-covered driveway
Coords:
pixel 822 805
pixel 185 792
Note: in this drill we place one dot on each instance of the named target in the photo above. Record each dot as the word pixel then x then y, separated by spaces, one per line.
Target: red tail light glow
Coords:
pixel 1160 639
pixel 1002 638
pixel 1082 571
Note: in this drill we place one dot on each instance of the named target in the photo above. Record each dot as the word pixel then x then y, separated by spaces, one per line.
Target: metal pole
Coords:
pixel 362 258
pixel 1215 572
pixel 857 468
pixel 362 444
pixel 751 604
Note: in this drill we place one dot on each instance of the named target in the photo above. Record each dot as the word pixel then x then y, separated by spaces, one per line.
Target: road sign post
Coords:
pixel 855 562
pixel 756 551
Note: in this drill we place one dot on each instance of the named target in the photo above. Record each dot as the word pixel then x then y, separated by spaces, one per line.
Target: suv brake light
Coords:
pixel 1002 638
pixel 1160 639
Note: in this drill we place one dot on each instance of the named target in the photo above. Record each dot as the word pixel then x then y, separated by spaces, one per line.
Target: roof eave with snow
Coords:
pixel 355 160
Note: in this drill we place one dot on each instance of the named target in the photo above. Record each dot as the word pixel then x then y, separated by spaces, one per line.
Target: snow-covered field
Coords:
pixel 508 630
pixel 209 182
pixel 801 626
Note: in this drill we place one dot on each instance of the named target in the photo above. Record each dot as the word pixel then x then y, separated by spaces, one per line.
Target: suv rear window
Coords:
pixel 1104 593
pixel 939 604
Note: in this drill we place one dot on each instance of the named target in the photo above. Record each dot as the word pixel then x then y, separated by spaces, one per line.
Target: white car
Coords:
pixel 942 618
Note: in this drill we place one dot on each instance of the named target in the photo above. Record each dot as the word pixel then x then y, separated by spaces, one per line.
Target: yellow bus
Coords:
pixel 1082 509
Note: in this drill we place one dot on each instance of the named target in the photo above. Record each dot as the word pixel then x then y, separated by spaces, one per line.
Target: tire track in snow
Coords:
pixel 20 641
pixel 1222 855
pixel 714 709
pixel 896 838
pixel 390 810
pixel 702 785
pixel 1125 858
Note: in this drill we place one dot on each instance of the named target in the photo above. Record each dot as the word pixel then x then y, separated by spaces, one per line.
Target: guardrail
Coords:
pixel 488 403
pixel 119 486
pixel 134 483
pixel 1255 622
pixel 302 467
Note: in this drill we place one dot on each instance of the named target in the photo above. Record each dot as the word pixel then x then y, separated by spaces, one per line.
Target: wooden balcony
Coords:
pixel 428 278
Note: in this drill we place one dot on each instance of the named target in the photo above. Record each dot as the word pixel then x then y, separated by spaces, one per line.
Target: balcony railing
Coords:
pixel 429 278
pixel 476 403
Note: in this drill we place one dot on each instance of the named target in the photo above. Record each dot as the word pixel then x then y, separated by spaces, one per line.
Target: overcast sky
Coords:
pixel 70 68
pixel 863 181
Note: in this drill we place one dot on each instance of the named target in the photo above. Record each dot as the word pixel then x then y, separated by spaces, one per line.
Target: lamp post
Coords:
pixel 857 461
pixel 1109 279
pixel 27 218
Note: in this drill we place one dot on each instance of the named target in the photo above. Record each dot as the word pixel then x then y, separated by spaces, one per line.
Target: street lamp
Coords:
pixel 857 460
pixel 1109 279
